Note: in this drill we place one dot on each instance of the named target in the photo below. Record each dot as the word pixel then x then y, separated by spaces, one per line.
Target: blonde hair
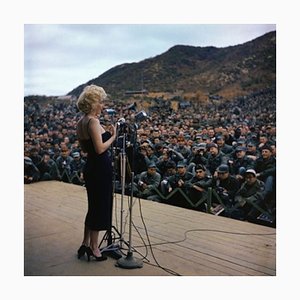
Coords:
pixel 90 96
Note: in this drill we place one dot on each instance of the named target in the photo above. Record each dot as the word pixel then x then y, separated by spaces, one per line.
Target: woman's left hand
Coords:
pixel 112 129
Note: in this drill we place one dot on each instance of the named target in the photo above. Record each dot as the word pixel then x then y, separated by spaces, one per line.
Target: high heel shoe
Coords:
pixel 89 252
pixel 81 251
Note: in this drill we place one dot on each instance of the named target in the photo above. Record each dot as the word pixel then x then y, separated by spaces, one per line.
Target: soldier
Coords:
pixel 215 158
pixel 198 185
pixel 163 162
pixel 252 151
pixel 170 169
pixel 174 155
pixel 263 140
pixel 34 155
pixel 225 185
pixel 240 163
pixel 64 164
pixel 178 180
pixel 225 148
pixel 182 148
pixel 48 168
pixel 150 157
pixel 77 165
pixel 31 172
pixel 265 167
pixel 198 156
pixel 139 159
pixel 147 180
pixel 251 191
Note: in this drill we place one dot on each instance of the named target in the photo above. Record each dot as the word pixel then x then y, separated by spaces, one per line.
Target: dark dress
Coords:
pixel 98 175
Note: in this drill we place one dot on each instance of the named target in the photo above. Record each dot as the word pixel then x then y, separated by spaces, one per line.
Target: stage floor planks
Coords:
pixel 185 242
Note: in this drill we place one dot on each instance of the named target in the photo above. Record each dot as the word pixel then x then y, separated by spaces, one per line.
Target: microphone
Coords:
pixel 131 107
pixel 121 121
pixel 141 116
pixel 110 111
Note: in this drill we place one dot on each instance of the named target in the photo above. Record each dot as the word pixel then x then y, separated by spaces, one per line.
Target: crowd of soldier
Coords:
pixel 232 151
pixel 245 170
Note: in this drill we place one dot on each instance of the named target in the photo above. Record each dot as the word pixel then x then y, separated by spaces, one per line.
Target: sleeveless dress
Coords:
pixel 98 176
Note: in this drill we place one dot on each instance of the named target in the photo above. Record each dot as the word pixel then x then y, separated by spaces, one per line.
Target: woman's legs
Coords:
pixel 94 242
pixel 86 237
pixel 90 245
pixel 90 238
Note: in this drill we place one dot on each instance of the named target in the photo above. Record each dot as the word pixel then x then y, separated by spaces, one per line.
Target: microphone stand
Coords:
pixel 130 262
pixel 114 250
pixel 123 176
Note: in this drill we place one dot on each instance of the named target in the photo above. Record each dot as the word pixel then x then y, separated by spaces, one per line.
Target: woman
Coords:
pixel 95 141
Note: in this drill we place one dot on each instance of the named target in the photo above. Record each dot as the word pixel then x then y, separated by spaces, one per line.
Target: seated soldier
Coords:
pixel 170 169
pixel 223 147
pixel 240 163
pixel 162 162
pixel 265 167
pixel 182 148
pixel 147 180
pixel 150 157
pixel 31 172
pixel 251 191
pixel 215 158
pixel 198 185
pixel 34 156
pixel 197 157
pixel 47 167
pixel 225 185
pixel 64 165
pixel 77 165
pixel 178 180
pixel 252 151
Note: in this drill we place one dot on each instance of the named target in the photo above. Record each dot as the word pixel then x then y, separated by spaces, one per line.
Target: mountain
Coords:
pixel 195 72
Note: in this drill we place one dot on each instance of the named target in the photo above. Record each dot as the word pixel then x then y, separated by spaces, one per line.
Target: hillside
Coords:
pixel 195 72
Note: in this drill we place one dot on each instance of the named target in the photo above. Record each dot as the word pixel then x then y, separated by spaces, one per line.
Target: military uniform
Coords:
pixel 31 172
pixel 48 170
pixel 213 162
pixel 226 189
pixel 240 163
pixel 64 168
pixel 146 184
pixel 246 195
pixel 77 166
pixel 194 194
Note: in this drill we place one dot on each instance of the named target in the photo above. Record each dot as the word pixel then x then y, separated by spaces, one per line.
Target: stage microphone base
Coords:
pixel 129 262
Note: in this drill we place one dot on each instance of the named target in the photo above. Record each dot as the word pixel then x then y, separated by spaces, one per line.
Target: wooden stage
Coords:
pixel 183 241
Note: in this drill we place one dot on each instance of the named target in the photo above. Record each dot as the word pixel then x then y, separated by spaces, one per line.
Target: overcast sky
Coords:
pixel 58 58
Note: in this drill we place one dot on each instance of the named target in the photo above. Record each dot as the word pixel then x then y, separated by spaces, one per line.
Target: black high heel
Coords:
pixel 81 251
pixel 89 252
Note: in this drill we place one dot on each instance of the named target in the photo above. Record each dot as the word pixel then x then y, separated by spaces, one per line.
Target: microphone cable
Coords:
pixel 172 272
pixel 150 246
pixel 207 230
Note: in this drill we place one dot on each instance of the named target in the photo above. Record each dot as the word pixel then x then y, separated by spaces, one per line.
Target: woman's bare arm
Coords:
pixel 96 130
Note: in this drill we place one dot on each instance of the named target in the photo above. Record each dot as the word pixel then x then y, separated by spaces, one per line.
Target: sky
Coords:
pixel 59 57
